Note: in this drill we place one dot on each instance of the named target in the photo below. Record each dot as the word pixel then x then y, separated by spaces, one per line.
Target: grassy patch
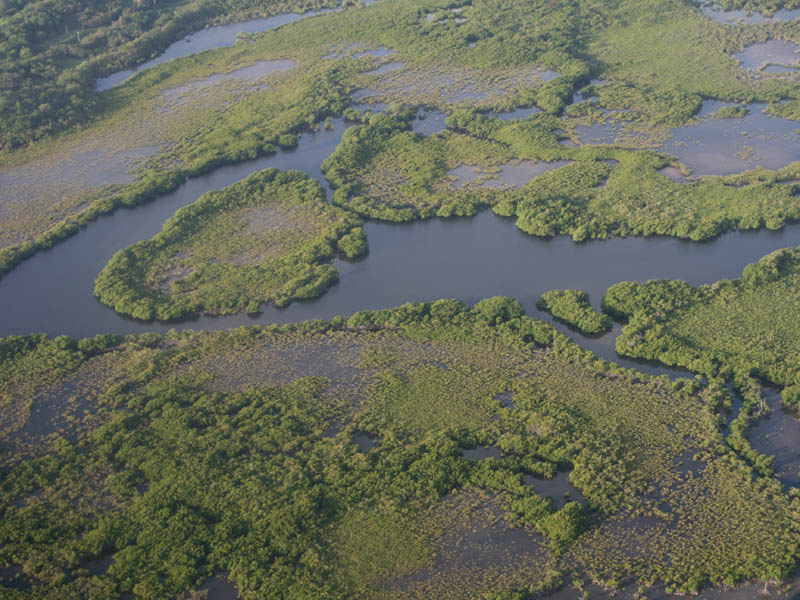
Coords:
pixel 266 239
pixel 236 452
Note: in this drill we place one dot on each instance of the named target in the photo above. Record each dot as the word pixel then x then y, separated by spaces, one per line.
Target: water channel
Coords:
pixel 465 258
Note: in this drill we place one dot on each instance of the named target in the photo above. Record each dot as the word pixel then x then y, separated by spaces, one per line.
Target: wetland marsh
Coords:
pixel 227 369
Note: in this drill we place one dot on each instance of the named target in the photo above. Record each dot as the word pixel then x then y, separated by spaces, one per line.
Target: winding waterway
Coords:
pixel 466 258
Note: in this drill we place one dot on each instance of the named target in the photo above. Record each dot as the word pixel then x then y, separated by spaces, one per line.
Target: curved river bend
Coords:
pixel 464 258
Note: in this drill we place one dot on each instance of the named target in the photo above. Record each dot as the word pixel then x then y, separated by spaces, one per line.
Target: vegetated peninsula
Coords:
pixel 268 238
pixel 743 331
pixel 332 459
pixel 746 325
pixel 573 307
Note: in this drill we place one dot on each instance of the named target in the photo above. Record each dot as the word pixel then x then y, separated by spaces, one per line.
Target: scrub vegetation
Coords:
pixel 573 307
pixel 484 55
pixel 382 170
pixel 234 452
pixel 743 326
pixel 767 7
pixel 408 452
pixel 742 330
pixel 268 238
pixel 54 50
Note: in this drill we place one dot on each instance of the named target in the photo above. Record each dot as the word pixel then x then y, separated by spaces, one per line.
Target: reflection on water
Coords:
pixel 559 488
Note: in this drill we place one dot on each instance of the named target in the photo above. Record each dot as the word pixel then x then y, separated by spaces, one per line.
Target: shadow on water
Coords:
pixel 364 441
pixel 481 452
pixel 217 588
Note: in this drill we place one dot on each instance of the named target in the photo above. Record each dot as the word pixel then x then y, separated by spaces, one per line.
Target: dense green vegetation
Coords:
pixel 52 51
pixel 332 459
pixel 768 7
pixel 268 238
pixel 573 307
pixel 485 55
pixel 382 170
pixel 746 326
pixel 233 452
pixel 731 112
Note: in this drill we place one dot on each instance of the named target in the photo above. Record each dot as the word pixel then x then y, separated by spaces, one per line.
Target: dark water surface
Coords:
pixel 464 258
pixel 778 434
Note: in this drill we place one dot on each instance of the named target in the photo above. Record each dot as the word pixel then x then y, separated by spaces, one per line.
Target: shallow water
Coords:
pixel 734 17
pixel 474 544
pixel 429 122
pixel 481 452
pixel 778 69
pixel 356 51
pixel 386 68
pixel 364 442
pixel 675 174
pixel 778 434
pixel 207 39
pixel 775 52
pixel 506 399
pixel 560 489
pixel 727 146
pixel 630 592
pixel 252 73
pixel 520 113
pixel 509 175
pixel 713 146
